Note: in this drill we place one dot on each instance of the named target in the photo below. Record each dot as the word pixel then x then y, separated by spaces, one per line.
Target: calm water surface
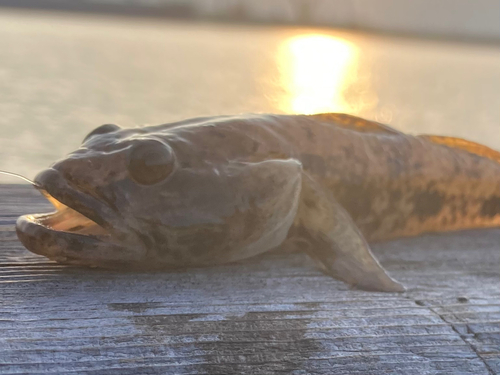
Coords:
pixel 62 75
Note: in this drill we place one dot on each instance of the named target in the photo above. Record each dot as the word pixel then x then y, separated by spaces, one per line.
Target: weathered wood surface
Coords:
pixel 273 314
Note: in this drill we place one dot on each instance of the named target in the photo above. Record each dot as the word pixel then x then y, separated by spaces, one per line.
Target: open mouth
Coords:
pixel 66 219
pixel 82 230
pixel 76 211
pixel 80 227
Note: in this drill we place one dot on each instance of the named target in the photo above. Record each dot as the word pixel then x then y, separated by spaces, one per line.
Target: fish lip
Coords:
pixel 74 248
pixel 51 181
pixel 59 188
pixel 44 240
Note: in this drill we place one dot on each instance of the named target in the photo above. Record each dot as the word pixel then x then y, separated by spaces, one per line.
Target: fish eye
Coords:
pixel 103 129
pixel 150 162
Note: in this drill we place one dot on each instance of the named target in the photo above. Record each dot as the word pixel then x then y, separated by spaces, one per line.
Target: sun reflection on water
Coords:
pixel 315 71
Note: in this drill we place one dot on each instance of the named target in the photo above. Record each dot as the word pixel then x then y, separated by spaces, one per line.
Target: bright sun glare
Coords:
pixel 315 71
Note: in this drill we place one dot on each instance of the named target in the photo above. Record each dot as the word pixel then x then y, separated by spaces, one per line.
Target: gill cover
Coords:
pixel 218 213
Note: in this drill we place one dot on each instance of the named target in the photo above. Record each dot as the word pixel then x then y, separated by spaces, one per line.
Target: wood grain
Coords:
pixel 272 314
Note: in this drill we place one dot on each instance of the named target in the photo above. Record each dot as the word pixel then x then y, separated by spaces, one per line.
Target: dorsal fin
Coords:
pixel 463 144
pixel 354 123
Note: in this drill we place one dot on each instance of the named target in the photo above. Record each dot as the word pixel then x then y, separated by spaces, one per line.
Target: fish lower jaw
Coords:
pixel 65 219
pixel 90 250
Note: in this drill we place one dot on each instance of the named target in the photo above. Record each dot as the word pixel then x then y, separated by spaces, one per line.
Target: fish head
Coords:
pixel 135 198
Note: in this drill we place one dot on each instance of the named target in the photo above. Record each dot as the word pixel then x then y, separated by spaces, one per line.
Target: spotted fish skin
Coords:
pixel 231 187
pixel 392 184
pixel 397 185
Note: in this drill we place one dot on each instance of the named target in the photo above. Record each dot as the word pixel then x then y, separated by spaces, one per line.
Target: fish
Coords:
pixel 214 190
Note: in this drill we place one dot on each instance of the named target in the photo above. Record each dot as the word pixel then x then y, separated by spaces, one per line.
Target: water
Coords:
pixel 61 75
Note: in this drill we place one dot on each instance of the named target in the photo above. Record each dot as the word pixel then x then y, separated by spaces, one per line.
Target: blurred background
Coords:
pixel 67 66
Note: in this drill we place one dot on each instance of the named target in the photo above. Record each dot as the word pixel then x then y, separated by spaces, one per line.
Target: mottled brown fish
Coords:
pixel 220 189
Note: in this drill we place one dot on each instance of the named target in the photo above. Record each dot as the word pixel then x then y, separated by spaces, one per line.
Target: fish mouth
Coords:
pixel 66 219
pixel 76 231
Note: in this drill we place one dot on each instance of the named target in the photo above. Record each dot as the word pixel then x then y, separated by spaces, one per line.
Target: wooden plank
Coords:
pixel 271 314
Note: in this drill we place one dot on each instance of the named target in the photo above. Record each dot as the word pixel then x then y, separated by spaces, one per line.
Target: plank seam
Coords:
pixel 473 347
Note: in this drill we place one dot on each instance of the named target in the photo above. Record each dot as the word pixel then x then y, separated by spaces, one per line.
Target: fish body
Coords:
pixel 218 189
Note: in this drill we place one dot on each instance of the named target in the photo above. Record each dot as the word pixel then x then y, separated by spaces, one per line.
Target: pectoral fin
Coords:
pixel 266 198
pixel 336 242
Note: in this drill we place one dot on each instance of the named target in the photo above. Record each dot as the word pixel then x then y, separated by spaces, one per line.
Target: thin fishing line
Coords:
pixel 19 176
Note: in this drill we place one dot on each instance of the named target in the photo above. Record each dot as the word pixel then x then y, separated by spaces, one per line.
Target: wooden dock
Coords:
pixel 275 314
